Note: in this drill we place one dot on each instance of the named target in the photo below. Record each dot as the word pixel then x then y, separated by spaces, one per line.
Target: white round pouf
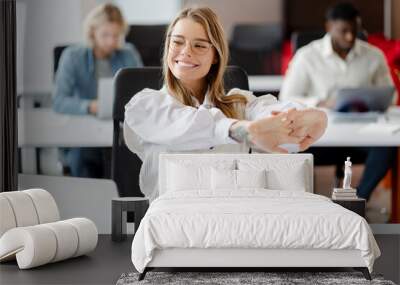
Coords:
pixel 7 216
pixel 45 205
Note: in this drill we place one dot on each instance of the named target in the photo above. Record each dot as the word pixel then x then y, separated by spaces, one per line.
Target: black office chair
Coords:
pixel 149 40
pixel 57 52
pixel 257 48
pixel 125 165
pixel 302 38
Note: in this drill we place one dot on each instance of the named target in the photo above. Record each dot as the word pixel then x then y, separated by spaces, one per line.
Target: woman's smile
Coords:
pixel 186 64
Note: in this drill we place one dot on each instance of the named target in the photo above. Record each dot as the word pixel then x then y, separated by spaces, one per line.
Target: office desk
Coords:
pixel 259 83
pixel 44 128
pixel 345 135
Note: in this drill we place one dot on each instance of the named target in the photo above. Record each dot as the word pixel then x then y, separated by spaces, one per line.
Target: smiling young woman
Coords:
pixel 193 112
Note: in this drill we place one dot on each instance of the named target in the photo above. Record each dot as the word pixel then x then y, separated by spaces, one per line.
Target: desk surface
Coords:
pixel 265 82
pixel 348 134
pixel 44 128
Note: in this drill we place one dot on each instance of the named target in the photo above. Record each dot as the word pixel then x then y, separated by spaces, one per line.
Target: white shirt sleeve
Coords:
pixel 262 106
pixel 296 83
pixel 158 118
pixel 382 77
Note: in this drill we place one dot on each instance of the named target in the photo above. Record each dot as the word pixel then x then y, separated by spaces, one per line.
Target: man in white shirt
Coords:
pixel 340 60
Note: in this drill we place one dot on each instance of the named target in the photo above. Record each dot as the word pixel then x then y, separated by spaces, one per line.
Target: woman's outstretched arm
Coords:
pixel 158 118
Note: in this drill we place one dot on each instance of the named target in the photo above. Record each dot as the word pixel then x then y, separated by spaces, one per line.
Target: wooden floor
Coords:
pixel 110 259
pixel 103 266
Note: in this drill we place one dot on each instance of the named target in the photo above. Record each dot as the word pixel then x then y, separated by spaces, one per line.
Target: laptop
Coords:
pixel 372 99
pixel 105 98
pixel 362 104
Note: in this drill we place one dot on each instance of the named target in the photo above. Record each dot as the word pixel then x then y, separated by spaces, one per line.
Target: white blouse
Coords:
pixel 155 122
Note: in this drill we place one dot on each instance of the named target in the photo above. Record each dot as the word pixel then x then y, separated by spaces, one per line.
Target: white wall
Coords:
pixel 149 11
pixel 48 23
pixel 77 197
pixel 232 12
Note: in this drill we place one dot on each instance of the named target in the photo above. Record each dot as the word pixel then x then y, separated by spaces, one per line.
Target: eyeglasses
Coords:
pixel 199 47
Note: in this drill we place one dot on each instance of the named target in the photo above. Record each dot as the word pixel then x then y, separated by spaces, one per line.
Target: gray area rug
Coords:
pixel 230 278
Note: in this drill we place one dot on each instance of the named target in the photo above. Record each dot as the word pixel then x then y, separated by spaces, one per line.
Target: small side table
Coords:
pixel 120 207
pixel 355 205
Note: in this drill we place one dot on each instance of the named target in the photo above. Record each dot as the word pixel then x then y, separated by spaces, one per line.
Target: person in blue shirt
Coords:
pixel 80 68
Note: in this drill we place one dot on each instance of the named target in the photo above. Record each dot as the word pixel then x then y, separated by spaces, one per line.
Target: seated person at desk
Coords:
pixel 77 77
pixel 193 112
pixel 336 61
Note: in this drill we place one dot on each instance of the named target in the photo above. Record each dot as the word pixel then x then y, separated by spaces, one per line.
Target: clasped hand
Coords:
pixel 302 127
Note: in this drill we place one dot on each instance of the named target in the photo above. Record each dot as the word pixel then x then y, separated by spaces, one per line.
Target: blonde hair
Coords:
pixel 209 20
pixel 105 13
